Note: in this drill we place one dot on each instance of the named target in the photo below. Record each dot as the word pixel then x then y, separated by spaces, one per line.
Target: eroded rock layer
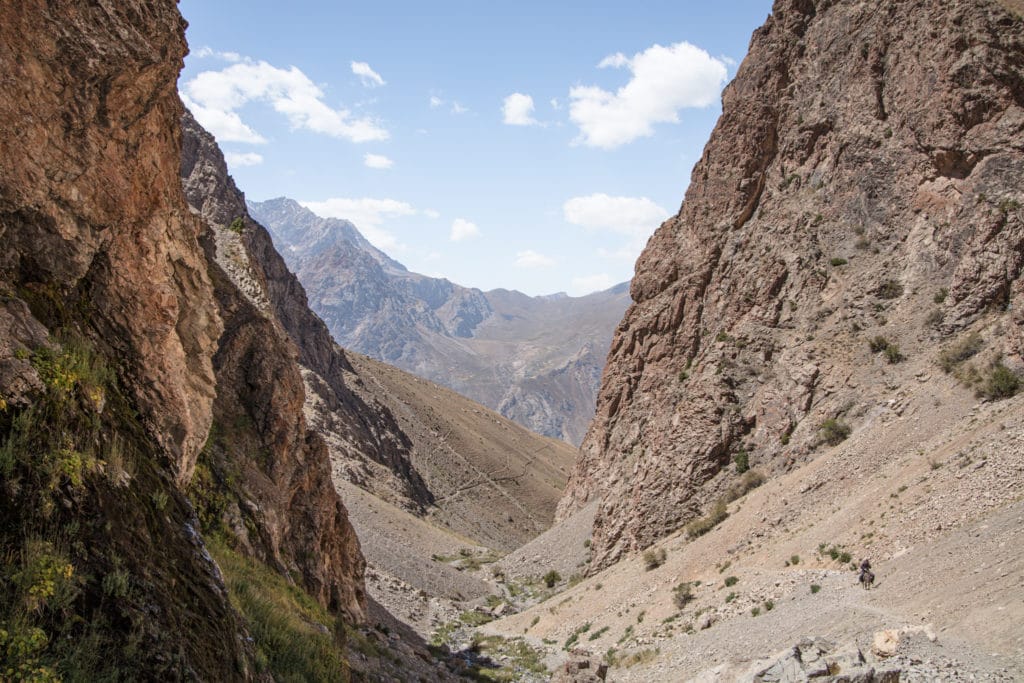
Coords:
pixel 863 181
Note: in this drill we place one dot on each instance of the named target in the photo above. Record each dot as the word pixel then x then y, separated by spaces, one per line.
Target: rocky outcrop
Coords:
pixel 364 435
pixel 535 360
pixel 107 335
pixel 862 182
pixel 89 201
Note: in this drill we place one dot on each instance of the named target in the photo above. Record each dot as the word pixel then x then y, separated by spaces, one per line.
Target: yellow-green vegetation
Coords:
pixel 833 431
pixel 518 657
pixel 474 618
pixel 598 633
pixel 731 581
pixel 682 594
pixel 654 558
pixel 575 636
pixel 701 526
pixel 295 638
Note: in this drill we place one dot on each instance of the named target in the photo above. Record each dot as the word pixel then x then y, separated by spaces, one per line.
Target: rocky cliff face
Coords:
pixel 135 370
pixel 536 360
pixel 108 332
pixel 862 182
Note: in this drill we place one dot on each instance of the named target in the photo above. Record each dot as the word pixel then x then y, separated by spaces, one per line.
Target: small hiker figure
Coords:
pixel 867 577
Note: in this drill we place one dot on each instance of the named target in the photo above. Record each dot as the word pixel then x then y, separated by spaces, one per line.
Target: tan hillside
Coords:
pixel 492 480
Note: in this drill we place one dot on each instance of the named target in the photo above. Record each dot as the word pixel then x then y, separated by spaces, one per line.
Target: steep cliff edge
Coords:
pixel 135 374
pixel 862 184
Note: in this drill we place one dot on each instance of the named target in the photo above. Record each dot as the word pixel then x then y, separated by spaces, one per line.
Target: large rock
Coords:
pixel 868 157
pixel 90 201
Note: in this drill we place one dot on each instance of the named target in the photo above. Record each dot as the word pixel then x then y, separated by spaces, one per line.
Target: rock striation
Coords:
pixel 536 360
pixel 861 183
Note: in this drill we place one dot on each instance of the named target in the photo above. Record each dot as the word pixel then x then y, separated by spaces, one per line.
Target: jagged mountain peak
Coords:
pixel 534 359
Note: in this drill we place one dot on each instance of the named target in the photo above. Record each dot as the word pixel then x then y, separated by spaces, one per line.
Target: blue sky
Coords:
pixel 520 145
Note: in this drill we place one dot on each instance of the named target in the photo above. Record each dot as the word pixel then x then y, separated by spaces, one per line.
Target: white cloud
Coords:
pixel 205 52
pixel 435 101
pixel 463 229
pixel 377 161
pixel 664 80
pixel 633 216
pixel 518 110
pixel 369 77
pixel 226 126
pixel 432 213
pixel 555 104
pixel 531 259
pixel 590 283
pixel 367 214
pixel 215 96
pixel 458 108
pixel 243 158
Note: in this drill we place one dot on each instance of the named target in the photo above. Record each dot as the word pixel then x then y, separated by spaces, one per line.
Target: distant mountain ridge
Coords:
pixel 536 360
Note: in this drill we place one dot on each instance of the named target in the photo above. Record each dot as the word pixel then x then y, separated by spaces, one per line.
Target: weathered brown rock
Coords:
pixel 887 134
pixel 285 511
pixel 90 199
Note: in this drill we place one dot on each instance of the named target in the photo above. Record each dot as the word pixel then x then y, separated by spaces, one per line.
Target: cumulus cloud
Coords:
pixel 591 283
pixel 243 158
pixel 367 214
pixel 518 110
pixel 377 161
pixel 369 77
pixel 532 259
pixel 216 96
pixel 633 216
pixel 463 230
pixel 664 80
pixel 457 108
pixel 435 101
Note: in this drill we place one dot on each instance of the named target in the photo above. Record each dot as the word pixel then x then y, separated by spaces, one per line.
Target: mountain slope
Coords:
pixel 534 359
pixel 407 441
pixel 860 186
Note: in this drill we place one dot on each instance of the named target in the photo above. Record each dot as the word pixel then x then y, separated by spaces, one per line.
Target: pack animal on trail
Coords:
pixel 866 577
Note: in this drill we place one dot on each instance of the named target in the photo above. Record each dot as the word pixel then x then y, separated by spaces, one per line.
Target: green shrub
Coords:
pixel 834 432
pixel 815 588
pixel 794 560
pixel 551 578
pixel 742 461
pixel 838 261
pixel 731 596
pixel 237 226
pixel 1001 382
pixel 755 611
pixel 598 633
pixel 892 354
pixel 682 595
pixel 731 581
pixel 654 558
pixel 890 289
pixel 940 296
pixel 958 352
pixel 701 526
pixel 878 344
